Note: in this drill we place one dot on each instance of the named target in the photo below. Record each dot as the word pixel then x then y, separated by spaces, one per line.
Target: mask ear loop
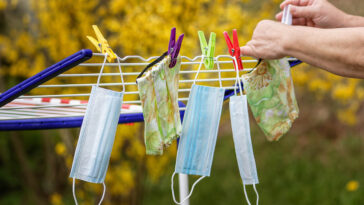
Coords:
pixel 121 74
pixel 246 195
pixel 189 195
pixel 256 192
pixel 219 71
pixel 74 193
pixel 198 70
pixel 102 69
pixel 238 78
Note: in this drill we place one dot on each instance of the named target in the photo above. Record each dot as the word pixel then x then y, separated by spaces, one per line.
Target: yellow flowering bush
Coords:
pixel 38 33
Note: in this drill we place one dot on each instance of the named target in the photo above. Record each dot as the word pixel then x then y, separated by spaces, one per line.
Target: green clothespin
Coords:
pixel 208 50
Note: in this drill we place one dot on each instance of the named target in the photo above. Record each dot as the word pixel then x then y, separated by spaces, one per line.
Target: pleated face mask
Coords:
pixel 158 92
pixel 271 97
pixel 97 135
pixel 199 132
pixel 242 140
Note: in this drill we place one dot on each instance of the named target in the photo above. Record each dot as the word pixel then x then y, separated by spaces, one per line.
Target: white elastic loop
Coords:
pixel 218 68
pixel 236 81
pixel 246 195
pixel 121 73
pixel 73 191
pixel 189 195
pixel 102 69
pixel 238 77
pixel 198 70
pixel 256 192
pixel 103 193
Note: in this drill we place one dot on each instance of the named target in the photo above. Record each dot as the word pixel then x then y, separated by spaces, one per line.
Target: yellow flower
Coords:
pixel 343 92
pixel 3 4
pixel 56 199
pixel 352 185
pixel 60 149
pixel 347 116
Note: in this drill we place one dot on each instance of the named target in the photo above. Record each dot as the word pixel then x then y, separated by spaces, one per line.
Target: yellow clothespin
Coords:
pixel 102 45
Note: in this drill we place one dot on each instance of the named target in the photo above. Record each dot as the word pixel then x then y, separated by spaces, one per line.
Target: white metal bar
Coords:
pixel 51 111
pixel 22 112
pixel 137 73
pixel 126 93
pixel 130 83
pixel 145 64
pixel 83 95
pixel 66 109
pixel 46 110
pixel 41 106
pixel 21 115
pixel 53 96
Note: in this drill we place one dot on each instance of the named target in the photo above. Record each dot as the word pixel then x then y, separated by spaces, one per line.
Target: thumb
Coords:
pixel 302 11
pixel 247 51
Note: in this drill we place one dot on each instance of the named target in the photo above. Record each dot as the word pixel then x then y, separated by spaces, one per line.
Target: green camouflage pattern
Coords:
pixel 152 134
pixel 158 92
pixel 271 97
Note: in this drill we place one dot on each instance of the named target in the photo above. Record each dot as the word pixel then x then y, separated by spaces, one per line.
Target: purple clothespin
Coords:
pixel 173 47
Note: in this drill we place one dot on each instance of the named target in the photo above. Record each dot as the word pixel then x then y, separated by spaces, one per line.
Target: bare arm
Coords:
pixel 339 51
pixel 354 21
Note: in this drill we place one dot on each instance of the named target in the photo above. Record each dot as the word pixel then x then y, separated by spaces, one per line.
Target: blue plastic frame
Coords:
pixel 45 75
pixel 66 122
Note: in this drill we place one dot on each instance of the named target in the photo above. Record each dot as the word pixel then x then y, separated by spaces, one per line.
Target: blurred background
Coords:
pixel 320 161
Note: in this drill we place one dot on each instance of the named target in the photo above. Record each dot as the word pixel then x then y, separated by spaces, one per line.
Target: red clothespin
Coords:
pixel 234 50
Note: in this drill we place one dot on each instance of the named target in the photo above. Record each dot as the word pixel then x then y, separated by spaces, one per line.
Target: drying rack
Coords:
pixel 57 96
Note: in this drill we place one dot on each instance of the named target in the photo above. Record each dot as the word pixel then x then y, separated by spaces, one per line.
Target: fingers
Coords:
pixel 302 11
pixel 279 16
pixel 310 23
pixel 299 21
pixel 285 3
pixel 294 2
pixel 247 51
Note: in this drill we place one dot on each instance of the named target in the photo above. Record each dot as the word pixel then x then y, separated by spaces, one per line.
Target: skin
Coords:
pixel 322 36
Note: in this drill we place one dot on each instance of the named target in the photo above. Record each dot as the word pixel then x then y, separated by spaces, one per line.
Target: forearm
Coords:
pixel 339 51
pixel 353 21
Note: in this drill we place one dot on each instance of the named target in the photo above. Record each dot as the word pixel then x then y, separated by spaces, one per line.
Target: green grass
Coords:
pixel 299 169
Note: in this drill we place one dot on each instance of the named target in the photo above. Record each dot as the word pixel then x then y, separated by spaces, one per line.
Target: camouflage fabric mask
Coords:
pixel 166 90
pixel 158 92
pixel 152 134
pixel 271 97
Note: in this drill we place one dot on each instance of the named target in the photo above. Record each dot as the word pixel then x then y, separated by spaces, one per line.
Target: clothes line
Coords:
pixel 44 110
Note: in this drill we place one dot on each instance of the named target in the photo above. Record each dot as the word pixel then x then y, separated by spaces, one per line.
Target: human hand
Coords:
pixel 315 13
pixel 268 41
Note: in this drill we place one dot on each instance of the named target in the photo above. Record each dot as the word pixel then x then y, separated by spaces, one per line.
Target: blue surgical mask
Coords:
pixel 199 132
pixel 97 135
pixel 242 140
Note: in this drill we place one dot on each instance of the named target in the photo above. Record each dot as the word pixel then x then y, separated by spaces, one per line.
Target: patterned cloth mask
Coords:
pixel 242 140
pixel 97 135
pixel 158 91
pixel 271 97
pixel 199 132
